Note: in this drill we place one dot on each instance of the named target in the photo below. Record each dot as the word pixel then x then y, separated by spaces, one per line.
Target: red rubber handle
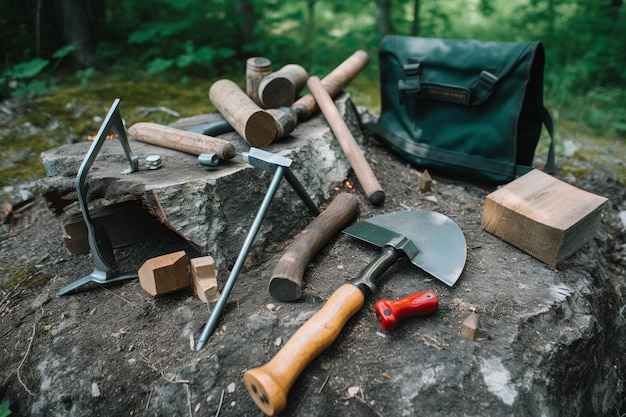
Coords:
pixel 390 312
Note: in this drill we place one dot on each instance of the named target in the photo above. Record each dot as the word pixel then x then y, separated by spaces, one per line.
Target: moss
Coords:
pixel 603 153
pixel 81 109
pixel 23 276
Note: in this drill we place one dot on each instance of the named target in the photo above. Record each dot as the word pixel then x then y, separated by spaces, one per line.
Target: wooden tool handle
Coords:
pixel 364 173
pixel 280 88
pixel 334 82
pixel 254 124
pixel 286 281
pixel 269 385
pixel 181 140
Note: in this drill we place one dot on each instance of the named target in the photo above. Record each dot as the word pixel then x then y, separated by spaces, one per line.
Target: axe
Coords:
pixel 429 239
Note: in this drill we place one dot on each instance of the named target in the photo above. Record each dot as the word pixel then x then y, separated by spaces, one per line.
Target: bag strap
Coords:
pixel 424 151
pixel 550 166
pixel 443 156
pixel 475 94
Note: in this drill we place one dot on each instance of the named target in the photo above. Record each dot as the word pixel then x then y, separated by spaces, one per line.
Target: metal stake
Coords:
pixel 105 269
pixel 279 166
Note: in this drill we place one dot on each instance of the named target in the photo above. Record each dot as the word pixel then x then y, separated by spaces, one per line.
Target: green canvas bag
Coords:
pixel 468 108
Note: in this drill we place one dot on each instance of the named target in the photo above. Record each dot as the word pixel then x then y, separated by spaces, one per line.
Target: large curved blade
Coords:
pixel 438 248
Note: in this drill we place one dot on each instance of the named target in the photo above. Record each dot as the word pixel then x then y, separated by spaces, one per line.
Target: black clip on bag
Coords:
pixel 473 109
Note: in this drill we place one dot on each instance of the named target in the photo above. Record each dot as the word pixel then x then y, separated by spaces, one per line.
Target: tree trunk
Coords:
pixel 383 17
pixel 310 23
pixel 614 8
pixel 246 18
pixel 77 30
pixel 415 26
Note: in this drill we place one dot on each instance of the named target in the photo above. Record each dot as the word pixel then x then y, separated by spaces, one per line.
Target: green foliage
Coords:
pixel 25 78
pixel 17 81
pixel 182 39
pixel 4 409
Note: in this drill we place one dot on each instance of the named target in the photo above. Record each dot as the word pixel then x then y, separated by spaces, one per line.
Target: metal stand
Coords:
pixel 279 166
pixel 105 269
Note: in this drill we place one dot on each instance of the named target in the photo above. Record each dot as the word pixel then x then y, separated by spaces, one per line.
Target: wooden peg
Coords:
pixel 470 327
pixel 165 274
pixel 425 182
pixel 204 277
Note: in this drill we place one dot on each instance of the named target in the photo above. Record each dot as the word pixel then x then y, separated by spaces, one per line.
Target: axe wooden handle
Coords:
pixel 286 281
pixel 181 140
pixel 269 384
pixel 255 125
pixel 334 82
pixel 363 171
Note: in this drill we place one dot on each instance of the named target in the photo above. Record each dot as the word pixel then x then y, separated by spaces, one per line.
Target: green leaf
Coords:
pixel 66 50
pixel 159 64
pixel 4 409
pixel 204 55
pixel 154 31
pixel 184 60
pixel 225 52
pixel 30 68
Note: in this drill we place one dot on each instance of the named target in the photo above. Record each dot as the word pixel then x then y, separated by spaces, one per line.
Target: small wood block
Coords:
pixel 204 277
pixel 203 267
pixel 470 327
pixel 543 216
pixel 425 182
pixel 165 274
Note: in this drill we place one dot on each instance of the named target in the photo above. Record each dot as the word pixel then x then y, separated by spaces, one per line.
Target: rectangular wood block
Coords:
pixel 543 216
pixel 203 267
pixel 165 274
pixel 126 223
pixel 204 277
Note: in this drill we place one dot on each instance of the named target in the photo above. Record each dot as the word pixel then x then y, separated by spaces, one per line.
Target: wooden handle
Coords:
pixel 281 87
pixel 254 124
pixel 334 82
pixel 364 173
pixel 181 140
pixel 286 281
pixel 269 384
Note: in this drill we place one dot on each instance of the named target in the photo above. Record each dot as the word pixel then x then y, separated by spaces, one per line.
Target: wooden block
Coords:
pixel 543 216
pixel 203 267
pixel 165 274
pixel 126 223
pixel 470 327
pixel 204 277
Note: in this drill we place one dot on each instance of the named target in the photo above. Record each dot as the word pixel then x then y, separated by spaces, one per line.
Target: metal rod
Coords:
pixel 301 192
pixel 221 302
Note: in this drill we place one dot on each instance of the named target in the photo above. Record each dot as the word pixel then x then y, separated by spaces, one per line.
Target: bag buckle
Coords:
pixel 411 82
pixel 483 87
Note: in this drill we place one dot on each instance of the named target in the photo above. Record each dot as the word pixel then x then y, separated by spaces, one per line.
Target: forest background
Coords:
pixel 51 45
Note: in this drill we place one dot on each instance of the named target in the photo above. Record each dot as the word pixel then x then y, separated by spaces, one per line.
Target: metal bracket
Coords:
pixel 279 166
pixel 105 269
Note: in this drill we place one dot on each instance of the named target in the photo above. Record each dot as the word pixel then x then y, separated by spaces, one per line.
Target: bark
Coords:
pixel 247 20
pixel 77 30
pixel 310 23
pixel 614 8
pixel 415 26
pixel 383 17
